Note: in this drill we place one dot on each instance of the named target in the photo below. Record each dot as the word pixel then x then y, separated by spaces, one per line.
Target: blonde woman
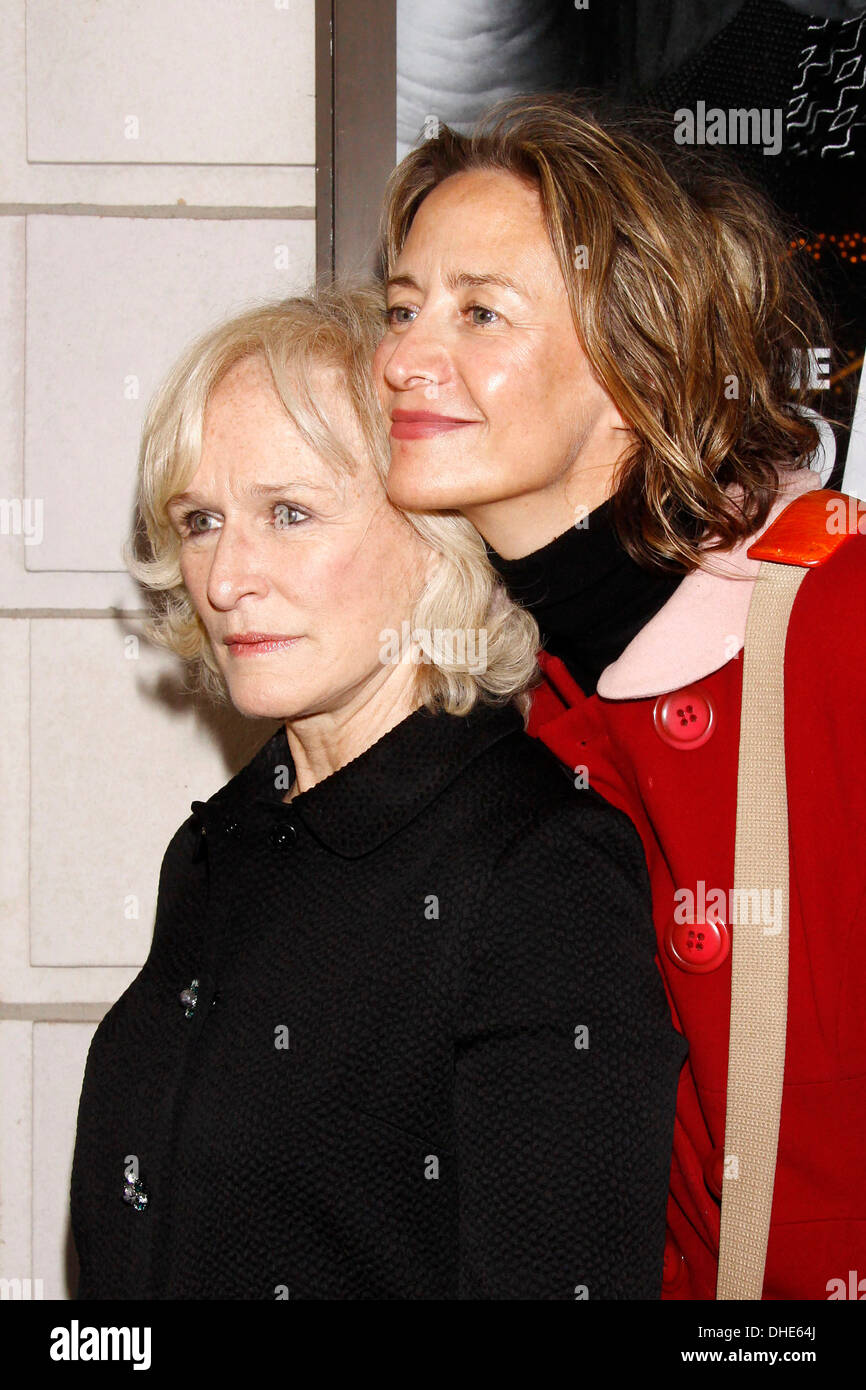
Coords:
pixel 399 1034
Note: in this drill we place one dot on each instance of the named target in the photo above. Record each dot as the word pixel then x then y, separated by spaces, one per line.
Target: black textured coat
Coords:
pixel 430 1055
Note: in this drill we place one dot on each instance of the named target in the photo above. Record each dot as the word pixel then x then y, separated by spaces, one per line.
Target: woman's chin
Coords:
pixel 267 701
pixel 424 489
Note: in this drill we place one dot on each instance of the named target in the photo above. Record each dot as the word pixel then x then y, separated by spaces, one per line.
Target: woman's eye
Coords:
pixel 401 314
pixel 285 515
pixel 479 309
pixel 188 523
pixel 394 315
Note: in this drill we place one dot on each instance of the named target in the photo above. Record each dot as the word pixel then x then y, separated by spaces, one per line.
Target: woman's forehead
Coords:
pixel 493 231
pixel 265 445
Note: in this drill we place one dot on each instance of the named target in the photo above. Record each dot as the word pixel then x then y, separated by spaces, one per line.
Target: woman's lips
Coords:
pixel 257 643
pixel 420 424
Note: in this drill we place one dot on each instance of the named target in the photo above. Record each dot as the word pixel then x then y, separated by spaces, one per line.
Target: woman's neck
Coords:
pixel 518 526
pixel 322 743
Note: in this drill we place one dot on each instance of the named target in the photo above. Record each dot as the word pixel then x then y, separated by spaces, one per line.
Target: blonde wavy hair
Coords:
pixel 334 327
pixel 687 284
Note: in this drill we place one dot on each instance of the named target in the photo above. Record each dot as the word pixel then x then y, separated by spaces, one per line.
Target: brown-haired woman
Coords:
pixel 597 350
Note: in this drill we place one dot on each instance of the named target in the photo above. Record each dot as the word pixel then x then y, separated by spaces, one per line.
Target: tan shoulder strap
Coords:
pixel 759 942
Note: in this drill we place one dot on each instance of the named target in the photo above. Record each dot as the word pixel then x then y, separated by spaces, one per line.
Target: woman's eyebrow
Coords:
pixel 273 489
pixel 255 490
pixel 463 280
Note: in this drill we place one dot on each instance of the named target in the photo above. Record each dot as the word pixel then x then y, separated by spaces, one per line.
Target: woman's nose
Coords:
pixel 417 356
pixel 236 569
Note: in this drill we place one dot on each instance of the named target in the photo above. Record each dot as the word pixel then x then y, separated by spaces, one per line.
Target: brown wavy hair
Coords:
pixel 689 293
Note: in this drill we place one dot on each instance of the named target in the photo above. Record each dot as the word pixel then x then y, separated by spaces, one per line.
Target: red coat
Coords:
pixel 660 739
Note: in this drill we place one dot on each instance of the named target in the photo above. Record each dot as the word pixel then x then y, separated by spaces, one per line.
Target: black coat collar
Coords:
pixel 372 797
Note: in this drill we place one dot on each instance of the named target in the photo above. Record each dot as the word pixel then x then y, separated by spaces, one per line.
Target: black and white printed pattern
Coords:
pixel 825 113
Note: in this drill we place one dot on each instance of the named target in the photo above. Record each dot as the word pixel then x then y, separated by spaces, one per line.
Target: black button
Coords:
pixel 282 835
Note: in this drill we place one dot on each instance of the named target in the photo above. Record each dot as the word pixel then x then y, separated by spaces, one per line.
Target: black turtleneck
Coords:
pixel 586 593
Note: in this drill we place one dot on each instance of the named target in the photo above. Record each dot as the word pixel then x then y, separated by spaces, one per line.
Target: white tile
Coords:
pixel 16 1088
pixel 15 780
pixel 12 255
pixel 125 185
pixel 181 82
pixel 117 753
pixel 59 1056
pixel 21 982
pixel 111 303
pixel 19 587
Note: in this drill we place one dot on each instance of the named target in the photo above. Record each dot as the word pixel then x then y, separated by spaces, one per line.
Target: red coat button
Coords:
pixel 684 719
pixel 714 1171
pixel 697 946
pixel 674 1267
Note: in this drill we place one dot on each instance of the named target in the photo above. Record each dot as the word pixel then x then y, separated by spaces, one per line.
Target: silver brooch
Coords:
pixel 189 998
pixel 134 1193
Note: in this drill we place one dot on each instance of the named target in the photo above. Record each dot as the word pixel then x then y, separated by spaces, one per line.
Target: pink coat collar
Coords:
pixel 703 623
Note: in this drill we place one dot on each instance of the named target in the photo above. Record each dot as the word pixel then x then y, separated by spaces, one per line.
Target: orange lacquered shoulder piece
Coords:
pixel 809 530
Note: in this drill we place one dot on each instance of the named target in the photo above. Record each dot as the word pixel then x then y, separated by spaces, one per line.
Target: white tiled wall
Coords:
pixel 174 82
pixel 90 370
pixel 156 174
